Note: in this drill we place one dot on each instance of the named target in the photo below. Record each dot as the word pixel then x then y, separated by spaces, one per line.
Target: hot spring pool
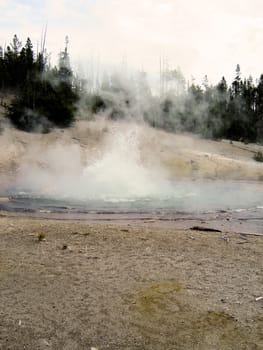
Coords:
pixel 191 196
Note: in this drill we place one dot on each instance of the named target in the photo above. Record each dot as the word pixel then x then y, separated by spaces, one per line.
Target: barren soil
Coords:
pixel 126 287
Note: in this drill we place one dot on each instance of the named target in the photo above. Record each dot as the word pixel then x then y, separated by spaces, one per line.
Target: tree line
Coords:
pixel 233 111
pixel 47 96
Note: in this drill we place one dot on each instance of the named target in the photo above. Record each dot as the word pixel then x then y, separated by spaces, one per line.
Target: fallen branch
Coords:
pixel 206 229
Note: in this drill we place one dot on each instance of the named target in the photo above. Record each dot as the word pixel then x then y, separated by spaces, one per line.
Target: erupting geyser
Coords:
pixel 120 173
pixel 117 171
pixel 116 174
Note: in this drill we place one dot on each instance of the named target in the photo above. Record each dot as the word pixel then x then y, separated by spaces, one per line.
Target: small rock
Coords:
pixel 44 343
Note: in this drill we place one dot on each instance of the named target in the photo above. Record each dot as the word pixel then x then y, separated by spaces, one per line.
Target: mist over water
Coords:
pixel 117 176
pixel 118 173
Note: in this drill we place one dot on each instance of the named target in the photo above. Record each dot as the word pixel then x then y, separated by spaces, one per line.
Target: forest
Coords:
pixel 46 97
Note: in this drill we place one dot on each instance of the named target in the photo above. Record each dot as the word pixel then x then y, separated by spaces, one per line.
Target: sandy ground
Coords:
pixel 126 287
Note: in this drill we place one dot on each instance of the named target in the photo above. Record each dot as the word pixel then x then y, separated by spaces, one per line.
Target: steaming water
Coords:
pixel 118 181
pixel 117 175
pixel 186 196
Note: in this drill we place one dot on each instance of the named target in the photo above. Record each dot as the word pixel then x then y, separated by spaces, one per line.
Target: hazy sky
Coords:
pixel 202 37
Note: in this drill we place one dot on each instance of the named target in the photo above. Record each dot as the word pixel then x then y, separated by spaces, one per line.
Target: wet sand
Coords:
pixel 244 221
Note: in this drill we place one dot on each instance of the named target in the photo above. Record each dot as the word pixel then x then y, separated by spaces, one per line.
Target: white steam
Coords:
pixel 120 171
pixel 117 173
pixel 126 162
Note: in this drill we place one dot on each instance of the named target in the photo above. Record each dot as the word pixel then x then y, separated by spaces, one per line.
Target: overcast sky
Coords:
pixel 202 37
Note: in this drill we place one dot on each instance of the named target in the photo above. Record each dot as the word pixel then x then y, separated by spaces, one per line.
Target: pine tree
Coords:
pixel 236 85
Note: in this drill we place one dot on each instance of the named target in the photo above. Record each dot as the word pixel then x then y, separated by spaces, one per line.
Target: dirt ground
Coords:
pixel 74 285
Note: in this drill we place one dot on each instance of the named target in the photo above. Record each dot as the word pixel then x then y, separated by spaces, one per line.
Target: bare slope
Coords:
pixel 179 155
